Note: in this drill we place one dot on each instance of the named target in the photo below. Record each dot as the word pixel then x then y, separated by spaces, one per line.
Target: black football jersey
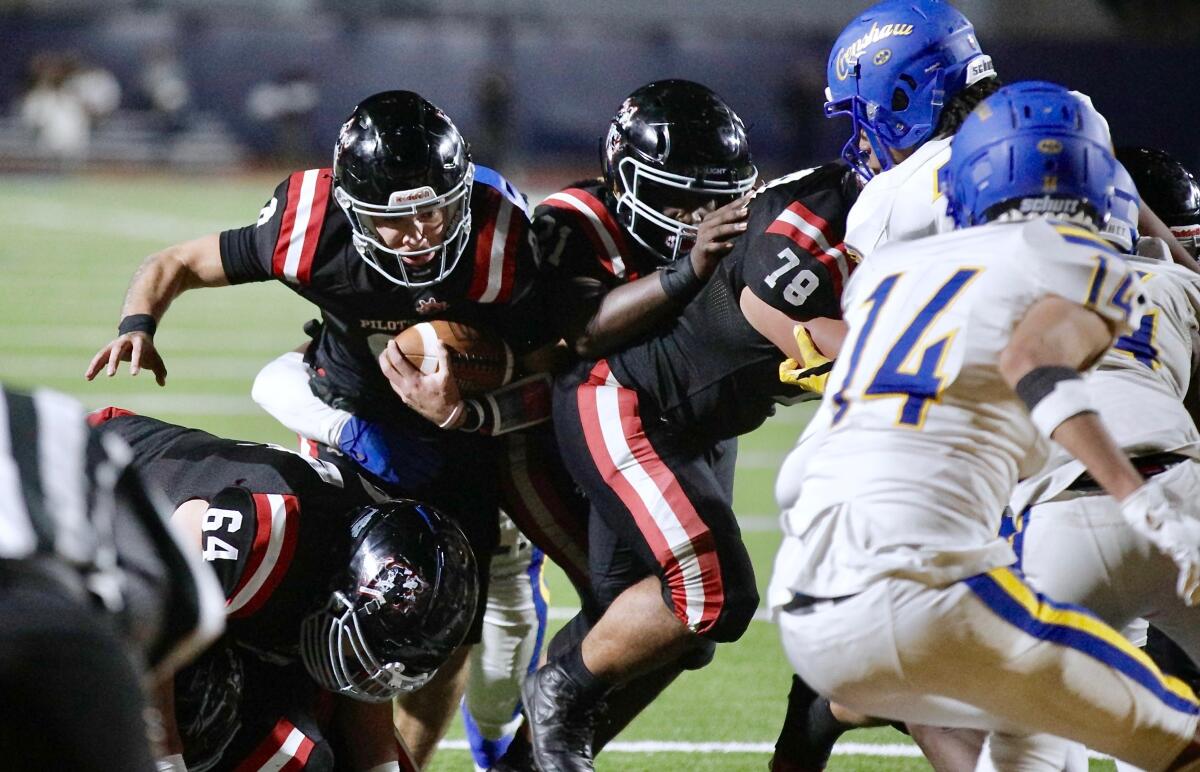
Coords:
pixel 585 250
pixel 277 527
pixel 303 239
pixel 709 371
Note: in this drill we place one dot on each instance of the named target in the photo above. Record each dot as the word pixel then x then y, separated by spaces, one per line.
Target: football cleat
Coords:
pixel 562 721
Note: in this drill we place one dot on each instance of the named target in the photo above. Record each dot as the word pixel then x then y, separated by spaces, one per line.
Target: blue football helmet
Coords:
pixel 1032 148
pixel 1121 230
pixel 894 68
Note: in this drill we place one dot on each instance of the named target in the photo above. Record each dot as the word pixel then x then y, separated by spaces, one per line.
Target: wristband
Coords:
pixel 137 323
pixel 1053 394
pixel 679 280
pixel 475 416
pixel 454 414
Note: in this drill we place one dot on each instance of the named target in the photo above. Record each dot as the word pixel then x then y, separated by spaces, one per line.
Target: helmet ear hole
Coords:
pixel 899 100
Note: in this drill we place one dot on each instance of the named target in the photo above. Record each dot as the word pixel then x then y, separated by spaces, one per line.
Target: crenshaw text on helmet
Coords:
pixel 848 56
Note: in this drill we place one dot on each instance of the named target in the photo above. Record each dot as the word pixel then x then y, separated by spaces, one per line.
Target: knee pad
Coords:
pixel 699 655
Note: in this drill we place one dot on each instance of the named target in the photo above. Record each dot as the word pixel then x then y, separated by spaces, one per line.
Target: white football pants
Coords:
pixel 990 653
pixel 1081 551
pixel 512 636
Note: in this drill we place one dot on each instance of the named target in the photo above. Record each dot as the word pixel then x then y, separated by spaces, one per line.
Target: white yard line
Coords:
pixel 126 223
pixel 174 404
pixel 885 750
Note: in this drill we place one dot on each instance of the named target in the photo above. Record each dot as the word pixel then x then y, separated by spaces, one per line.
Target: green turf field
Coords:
pixel 69 248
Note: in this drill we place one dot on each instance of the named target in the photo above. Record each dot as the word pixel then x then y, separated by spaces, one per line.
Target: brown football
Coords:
pixel 480 360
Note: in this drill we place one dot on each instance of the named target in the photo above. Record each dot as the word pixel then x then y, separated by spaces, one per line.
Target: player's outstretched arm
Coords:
pixel 629 310
pixel 160 279
pixel 1050 345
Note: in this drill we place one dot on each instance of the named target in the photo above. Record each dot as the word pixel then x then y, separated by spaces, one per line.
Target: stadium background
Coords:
pixel 216 101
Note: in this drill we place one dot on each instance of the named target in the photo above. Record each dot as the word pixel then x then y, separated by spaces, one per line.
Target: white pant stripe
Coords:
pixel 665 518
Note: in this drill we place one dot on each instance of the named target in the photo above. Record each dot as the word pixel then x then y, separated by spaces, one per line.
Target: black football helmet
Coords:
pixel 1169 189
pixel 397 155
pixel 403 606
pixel 673 144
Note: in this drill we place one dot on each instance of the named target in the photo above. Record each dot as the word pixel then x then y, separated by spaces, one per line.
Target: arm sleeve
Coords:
pixel 247 253
pixel 793 256
pixel 282 389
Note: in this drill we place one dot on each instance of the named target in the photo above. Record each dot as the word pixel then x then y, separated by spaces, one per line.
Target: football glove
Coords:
pixel 1161 518
pixel 392 457
pixel 812 375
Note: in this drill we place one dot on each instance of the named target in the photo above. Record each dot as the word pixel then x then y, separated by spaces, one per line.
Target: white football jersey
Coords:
pixel 1139 384
pixel 927 440
pixel 905 202
pixel 902 203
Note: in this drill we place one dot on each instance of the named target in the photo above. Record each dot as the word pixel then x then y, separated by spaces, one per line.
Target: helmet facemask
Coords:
pixel 336 641
pixel 436 262
pixel 644 192
pixel 336 654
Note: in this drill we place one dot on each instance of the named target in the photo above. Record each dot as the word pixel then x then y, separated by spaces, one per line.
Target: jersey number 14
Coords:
pixel 918 387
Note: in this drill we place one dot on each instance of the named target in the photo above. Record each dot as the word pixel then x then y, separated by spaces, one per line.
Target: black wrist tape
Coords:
pixel 679 280
pixel 137 323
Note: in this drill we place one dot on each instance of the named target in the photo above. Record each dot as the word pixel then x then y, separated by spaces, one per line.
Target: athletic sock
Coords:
pixel 809 728
pixel 590 686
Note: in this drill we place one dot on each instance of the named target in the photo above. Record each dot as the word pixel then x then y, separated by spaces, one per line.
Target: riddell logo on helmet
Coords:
pixel 848 56
pixel 414 196
pixel 1048 205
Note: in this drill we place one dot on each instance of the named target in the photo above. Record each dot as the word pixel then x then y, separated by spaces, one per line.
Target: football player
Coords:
pixel 907 72
pixel 371 596
pixel 1073 543
pixel 97 592
pixel 963 357
pixel 648 428
pixel 624 252
pixel 403 228
pixel 1169 189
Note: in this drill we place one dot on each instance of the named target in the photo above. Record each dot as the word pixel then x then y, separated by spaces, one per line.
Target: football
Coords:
pixel 480 360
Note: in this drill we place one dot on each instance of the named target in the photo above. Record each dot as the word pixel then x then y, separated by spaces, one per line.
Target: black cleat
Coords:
pixel 562 720
pixel 518 757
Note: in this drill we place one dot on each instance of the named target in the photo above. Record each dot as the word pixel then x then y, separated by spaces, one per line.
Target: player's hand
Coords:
pixel 136 348
pixel 716 234
pixel 1161 518
pixel 434 395
pixel 812 372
